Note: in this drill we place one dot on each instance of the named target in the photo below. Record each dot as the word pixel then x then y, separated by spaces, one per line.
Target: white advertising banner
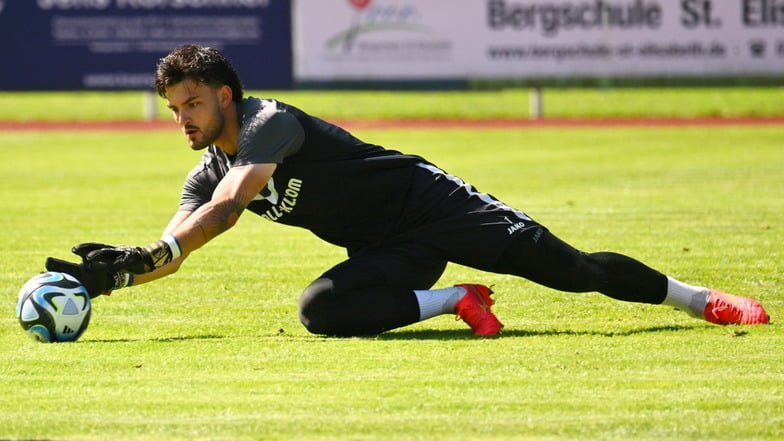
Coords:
pixel 339 40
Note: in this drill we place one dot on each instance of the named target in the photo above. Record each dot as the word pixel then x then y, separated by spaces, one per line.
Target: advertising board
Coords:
pixel 518 39
pixel 115 44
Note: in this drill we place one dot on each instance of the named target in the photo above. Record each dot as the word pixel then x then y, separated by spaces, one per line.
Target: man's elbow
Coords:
pixel 232 219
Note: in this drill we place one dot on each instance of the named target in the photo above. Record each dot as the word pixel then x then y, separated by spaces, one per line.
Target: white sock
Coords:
pixel 438 301
pixel 688 298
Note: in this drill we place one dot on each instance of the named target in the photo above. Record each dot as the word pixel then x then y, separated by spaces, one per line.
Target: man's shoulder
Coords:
pixel 257 114
pixel 212 162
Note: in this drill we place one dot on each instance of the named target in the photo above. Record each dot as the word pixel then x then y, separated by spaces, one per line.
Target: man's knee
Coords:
pixel 315 305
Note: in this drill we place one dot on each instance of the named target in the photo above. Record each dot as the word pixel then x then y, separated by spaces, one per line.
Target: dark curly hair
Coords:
pixel 201 64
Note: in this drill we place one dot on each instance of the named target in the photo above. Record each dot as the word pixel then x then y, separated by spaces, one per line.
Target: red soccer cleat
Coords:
pixel 724 309
pixel 474 309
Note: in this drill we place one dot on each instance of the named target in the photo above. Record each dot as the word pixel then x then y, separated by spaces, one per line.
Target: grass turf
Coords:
pixel 216 351
pixel 477 104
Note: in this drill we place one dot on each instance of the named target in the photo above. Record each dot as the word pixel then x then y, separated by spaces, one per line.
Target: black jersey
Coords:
pixel 345 191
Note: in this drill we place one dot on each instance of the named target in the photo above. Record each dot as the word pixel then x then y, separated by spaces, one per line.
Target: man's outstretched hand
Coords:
pixel 136 260
pixel 97 277
pixel 106 267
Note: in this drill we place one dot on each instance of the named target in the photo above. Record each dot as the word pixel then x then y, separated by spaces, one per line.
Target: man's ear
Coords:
pixel 225 96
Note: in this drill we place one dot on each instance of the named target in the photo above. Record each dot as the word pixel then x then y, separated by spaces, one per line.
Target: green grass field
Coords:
pixel 477 104
pixel 216 352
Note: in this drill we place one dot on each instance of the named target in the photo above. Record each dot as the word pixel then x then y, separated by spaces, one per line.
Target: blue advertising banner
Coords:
pixel 115 44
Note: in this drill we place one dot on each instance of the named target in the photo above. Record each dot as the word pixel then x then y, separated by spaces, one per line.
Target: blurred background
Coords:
pixel 400 45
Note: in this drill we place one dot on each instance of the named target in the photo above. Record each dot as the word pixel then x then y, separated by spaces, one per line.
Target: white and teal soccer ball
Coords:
pixel 53 307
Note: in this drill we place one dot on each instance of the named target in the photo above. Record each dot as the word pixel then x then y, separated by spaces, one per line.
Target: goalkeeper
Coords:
pixel 400 218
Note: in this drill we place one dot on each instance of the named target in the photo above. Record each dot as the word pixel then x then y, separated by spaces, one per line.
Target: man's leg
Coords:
pixel 475 229
pixel 371 292
pixel 543 258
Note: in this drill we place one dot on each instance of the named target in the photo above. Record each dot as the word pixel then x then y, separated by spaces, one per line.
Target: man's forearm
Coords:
pixel 164 256
pixel 169 268
pixel 206 223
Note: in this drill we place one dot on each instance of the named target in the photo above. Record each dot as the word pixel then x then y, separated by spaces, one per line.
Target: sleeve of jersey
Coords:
pixel 197 190
pixel 269 137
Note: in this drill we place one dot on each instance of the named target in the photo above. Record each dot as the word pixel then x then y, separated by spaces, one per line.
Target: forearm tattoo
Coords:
pixel 219 217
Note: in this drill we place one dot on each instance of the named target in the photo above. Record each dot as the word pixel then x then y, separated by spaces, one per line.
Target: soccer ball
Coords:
pixel 53 307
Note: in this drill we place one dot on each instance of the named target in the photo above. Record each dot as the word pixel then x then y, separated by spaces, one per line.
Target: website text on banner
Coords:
pixel 501 39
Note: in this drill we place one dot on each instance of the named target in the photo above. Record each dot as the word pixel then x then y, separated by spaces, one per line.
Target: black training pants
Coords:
pixel 447 220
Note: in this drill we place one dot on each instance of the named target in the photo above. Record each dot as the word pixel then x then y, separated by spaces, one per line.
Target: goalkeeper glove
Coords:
pixel 138 260
pixel 95 276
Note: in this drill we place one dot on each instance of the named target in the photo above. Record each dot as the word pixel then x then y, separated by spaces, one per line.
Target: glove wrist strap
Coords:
pixel 162 252
pixel 174 245
pixel 121 280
